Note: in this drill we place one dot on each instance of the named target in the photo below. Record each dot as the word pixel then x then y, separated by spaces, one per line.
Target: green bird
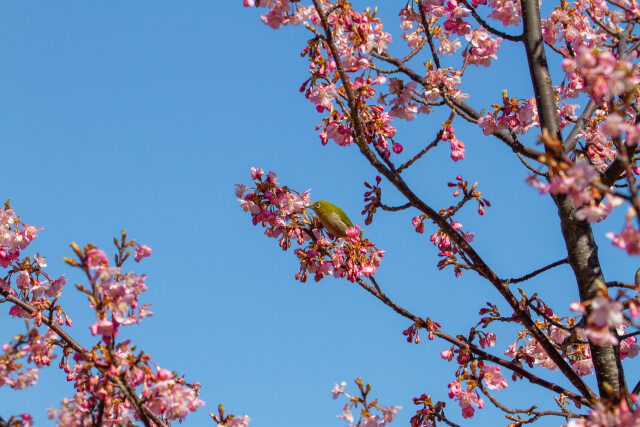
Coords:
pixel 332 218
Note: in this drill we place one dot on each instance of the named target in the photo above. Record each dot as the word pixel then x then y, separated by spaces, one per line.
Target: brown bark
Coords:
pixel 578 235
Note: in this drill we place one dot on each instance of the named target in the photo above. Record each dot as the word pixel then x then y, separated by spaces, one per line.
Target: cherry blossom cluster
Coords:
pixel 607 322
pixel 563 333
pixel 569 24
pixel 602 75
pixel 23 420
pixel 467 397
pixel 457 146
pixel 372 200
pixel 14 235
pixel 109 382
pixel 372 413
pixel 628 239
pixel 113 294
pixel 33 295
pixel 482 47
pixel 107 376
pixel 471 371
pixel 576 181
pixel 449 252
pixel 600 147
pixel 23 350
pixel 283 213
pixel 412 332
pixel 429 414
pixel 602 416
pixel 602 316
pixel 354 258
pixel 357 38
pixel 514 115
pixel 463 390
pixel 282 12
pixel 468 193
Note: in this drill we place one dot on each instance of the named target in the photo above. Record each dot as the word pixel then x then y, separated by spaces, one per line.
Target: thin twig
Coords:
pixel 394 208
pixel 427 31
pixel 547 318
pixel 629 335
pixel 528 166
pixel 538 271
pixel 570 143
pixel 616 284
pixel 489 27
pixel 529 411
pixel 421 153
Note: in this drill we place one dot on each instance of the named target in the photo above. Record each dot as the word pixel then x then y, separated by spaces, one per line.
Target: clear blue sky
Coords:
pixel 144 115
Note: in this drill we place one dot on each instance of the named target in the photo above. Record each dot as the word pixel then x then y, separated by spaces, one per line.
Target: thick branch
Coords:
pixel 583 258
pixel 538 68
pixel 578 235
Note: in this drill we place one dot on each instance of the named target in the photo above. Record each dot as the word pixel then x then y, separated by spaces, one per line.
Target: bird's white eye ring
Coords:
pixel 317 205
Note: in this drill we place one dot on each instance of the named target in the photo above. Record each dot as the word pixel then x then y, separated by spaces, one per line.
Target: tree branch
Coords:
pixel 142 411
pixel 536 272
pixel 421 153
pixel 480 266
pixel 529 411
pixel 488 27
pixel 475 350
pixel 538 68
pixel 616 284
pixel 570 143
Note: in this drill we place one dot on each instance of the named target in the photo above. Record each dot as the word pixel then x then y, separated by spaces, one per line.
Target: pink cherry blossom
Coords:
pixel 26 379
pixel 96 259
pixel 493 378
pixel 338 389
pixel 446 354
pixel 483 47
pixel 505 11
pixel 322 96
pixel 23 280
pixel 583 366
pixel 628 239
pixel 605 312
pixel 488 124
pixel 629 348
pixel 142 251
